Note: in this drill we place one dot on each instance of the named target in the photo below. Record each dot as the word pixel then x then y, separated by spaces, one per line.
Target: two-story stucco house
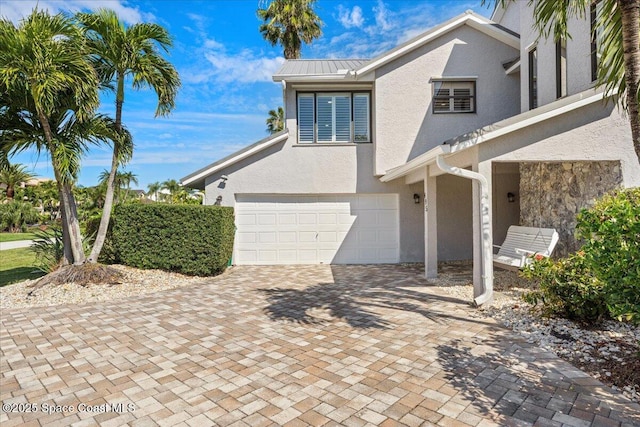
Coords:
pixel 428 152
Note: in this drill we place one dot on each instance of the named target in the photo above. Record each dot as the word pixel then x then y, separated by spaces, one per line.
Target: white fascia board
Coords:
pixel 525 123
pixel 515 67
pixel 236 159
pixel 452 78
pixel 470 19
pixel 311 77
pixel 412 165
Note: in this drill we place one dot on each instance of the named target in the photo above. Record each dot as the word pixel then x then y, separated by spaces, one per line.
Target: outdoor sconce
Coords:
pixel 218 201
pixel 224 178
pixel 416 198
pixel 511 198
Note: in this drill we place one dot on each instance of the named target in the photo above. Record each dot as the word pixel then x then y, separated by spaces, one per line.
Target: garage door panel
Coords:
pixel 246 237
pixel 279 229
pixel 307 218
pixel 267 237
pixel 245 219
pixel 287 219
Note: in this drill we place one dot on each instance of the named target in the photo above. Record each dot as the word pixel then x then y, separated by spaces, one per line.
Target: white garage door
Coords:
pixel 329 229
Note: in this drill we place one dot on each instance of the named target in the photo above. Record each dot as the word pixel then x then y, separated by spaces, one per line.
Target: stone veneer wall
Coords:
pixel 551 194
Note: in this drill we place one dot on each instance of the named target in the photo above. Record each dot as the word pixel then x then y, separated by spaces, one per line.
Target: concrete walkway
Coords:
pixel 17 244
pixel 303 345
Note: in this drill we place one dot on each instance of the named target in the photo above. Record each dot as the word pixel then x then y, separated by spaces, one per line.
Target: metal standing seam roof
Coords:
pixel 316 67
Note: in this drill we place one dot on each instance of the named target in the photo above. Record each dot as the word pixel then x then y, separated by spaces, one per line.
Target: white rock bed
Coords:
pixel 135 282
pixel 563 337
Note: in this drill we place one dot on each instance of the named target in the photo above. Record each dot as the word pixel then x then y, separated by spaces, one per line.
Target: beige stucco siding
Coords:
pixel 405 126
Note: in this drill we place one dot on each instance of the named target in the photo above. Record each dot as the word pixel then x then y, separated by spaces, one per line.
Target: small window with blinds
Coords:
pixel 325 117
pixel 454 97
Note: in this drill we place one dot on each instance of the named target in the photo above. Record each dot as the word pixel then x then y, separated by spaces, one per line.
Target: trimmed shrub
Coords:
pixel 603 278
pixel 189 239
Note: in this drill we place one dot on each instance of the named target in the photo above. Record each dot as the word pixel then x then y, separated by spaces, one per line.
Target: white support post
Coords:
pixel 430 226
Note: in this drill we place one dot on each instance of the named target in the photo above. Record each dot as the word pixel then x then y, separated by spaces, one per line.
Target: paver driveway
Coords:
pixel 316 345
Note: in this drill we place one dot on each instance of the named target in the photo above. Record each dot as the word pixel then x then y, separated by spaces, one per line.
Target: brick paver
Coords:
pixel 289 345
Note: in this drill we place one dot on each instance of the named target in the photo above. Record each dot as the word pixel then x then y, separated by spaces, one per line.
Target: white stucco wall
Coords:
pixel 286 168
pixel 591 133
pixel 405 126
pixel 511 16
pixel 578 59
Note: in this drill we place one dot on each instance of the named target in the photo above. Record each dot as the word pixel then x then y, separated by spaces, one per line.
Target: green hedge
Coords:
pixel 188 239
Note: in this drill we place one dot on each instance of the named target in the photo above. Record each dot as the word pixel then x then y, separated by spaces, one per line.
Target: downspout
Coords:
pixel 486 249
pixel 284 103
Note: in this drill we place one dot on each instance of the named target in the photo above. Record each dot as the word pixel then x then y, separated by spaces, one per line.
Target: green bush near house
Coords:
pixel 602 279
pixel 189 239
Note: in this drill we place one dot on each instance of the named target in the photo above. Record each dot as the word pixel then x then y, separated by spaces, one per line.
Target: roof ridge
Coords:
pixel 329 59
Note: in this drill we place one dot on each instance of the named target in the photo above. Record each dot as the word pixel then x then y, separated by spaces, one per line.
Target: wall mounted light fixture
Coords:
pixel 416 198
pixel 511 198
pixel 224 177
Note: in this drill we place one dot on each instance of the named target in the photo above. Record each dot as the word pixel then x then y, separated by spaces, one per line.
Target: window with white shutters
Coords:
pixel 454 96
pixel 305 118
pixel 361 117
pixel 333 117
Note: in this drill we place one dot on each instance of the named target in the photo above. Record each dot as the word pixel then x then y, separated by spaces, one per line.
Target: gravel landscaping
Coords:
pixel 136 282
pixel 610 352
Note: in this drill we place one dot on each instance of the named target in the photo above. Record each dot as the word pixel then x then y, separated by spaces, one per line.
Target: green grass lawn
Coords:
pixel 17 265
pixel 12 237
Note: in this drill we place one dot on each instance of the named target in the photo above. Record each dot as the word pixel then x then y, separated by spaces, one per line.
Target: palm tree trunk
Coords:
pixel 630 13
pixel 115 160
pixel 72 238
pixel 106 211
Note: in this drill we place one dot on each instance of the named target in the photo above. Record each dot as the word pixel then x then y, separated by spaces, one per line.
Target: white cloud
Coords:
pixel 15 10
pixel 382 16
pixel 350 18
pixel 244 67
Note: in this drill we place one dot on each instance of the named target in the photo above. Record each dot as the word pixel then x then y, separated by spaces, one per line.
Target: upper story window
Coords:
pixel 533 78
pixel 327 117
pixel 454 96
pixel 561 68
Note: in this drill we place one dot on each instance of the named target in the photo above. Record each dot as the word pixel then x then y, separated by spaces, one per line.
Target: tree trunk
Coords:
pixel 72 238
pixel 630 13
pixel 115 160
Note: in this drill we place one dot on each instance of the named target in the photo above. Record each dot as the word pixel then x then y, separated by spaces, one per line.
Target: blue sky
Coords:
pixel 225 66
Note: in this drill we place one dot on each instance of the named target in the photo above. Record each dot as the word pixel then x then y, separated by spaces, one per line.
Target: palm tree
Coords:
pixel 173 187
pixel 120 52
pixel 275 122
pixel 12 176
pixel 49 88
pixel 617 25
pixel 127 178
pixel 154 187
pixel 290 23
